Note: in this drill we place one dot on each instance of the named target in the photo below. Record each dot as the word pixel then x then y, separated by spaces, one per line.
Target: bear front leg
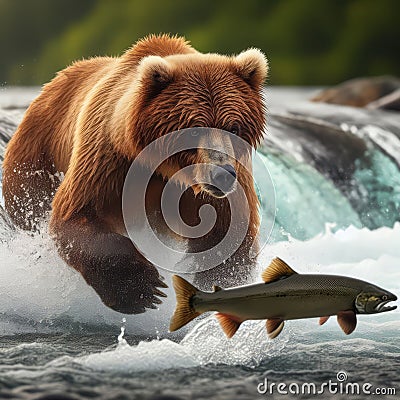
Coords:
pixel 110 263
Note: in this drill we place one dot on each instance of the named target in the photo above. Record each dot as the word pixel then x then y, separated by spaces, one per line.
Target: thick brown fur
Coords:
pixel 90 122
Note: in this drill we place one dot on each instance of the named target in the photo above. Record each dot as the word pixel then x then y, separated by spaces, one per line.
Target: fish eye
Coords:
pixel 384 297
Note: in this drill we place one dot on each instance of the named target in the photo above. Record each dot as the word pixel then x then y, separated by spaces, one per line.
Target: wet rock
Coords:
pixel 389 102
pixel 360 92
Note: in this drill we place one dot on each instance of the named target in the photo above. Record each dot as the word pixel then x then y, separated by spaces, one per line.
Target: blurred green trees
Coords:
pixel 308 42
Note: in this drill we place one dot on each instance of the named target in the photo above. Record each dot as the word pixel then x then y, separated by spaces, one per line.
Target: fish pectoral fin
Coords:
pixel 229 323
pixel 347 320
pixel 217 288
pixel 274 327
pixel 278 269
pixel 322 320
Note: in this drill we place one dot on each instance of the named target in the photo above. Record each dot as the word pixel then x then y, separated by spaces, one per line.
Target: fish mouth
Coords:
pixel 381 307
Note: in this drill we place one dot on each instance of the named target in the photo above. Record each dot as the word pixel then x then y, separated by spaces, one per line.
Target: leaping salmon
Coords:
pixel 284 295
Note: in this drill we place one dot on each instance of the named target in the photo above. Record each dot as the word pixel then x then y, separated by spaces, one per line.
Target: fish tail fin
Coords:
pixel 184 311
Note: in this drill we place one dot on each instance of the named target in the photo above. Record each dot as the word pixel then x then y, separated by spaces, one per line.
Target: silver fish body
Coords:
pixel 284 295
pixel 297 296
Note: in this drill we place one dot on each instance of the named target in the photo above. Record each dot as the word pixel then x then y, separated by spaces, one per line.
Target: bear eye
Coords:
pixel 235 129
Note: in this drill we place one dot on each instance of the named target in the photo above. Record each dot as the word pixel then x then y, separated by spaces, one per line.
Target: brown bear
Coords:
pixel 72 151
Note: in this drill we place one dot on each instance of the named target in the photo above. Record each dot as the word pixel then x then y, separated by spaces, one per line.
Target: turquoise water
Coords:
pixel 380 186
pixel 306 201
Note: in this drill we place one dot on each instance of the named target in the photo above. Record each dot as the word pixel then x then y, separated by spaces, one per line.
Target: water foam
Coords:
pixel 45 289
pixel 372 255
pixel 146 356
pixel 207 345
pixel 40 293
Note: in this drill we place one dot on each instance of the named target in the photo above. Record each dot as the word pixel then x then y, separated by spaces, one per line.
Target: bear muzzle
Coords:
pixel 222 180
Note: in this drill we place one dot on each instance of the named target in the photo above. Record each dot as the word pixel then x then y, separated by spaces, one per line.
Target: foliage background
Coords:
pixel 308 42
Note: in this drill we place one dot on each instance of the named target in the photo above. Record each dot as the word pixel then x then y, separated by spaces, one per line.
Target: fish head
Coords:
pixel 373 300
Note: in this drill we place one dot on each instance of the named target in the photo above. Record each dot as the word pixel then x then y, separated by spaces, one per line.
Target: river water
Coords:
pixel 57 339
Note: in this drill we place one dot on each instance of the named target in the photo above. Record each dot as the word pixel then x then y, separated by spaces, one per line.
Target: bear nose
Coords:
pixel 223 177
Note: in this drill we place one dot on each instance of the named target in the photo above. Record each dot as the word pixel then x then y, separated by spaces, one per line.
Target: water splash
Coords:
pixel 207 345
pixel 146 356
pixel 121 340
pixel 45 295
pixel 249 346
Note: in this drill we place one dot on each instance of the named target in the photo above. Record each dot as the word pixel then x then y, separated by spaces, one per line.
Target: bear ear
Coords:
pixel 252 66
pixel 155 74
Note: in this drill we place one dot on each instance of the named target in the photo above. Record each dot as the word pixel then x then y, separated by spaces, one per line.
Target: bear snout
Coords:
pixel 222 179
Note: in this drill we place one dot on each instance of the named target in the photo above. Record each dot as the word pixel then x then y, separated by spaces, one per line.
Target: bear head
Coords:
pixel 198 90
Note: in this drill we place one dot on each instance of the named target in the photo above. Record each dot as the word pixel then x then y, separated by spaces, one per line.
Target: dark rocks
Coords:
pixel 362 92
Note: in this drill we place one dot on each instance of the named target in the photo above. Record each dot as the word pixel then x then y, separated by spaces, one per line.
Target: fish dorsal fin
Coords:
pixel 217 288
pixel 278 269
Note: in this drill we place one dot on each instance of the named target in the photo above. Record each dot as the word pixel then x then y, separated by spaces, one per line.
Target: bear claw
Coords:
pixel 159 293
